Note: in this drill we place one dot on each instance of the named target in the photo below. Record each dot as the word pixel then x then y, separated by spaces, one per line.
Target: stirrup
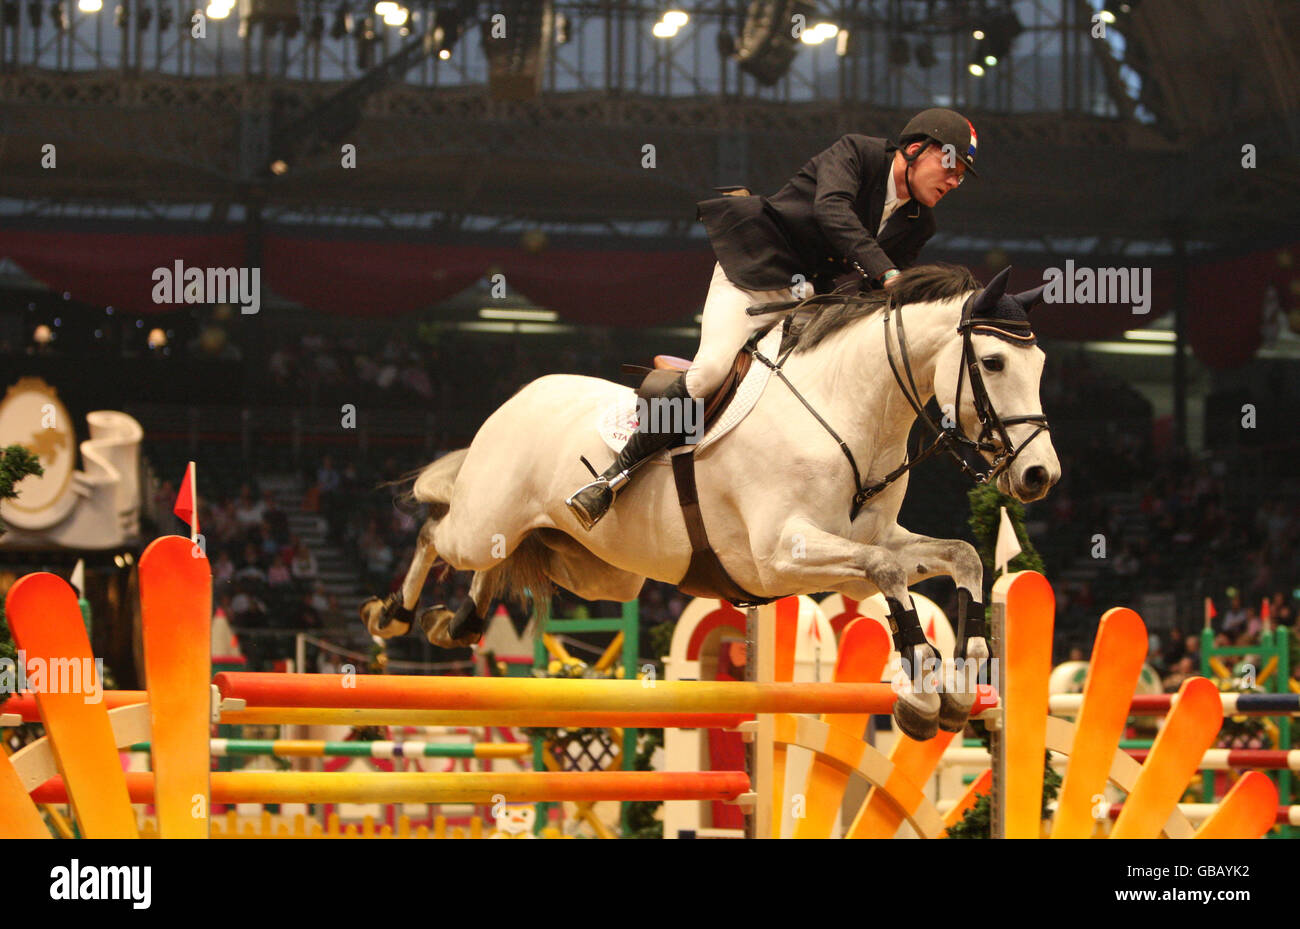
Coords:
pixel 579 511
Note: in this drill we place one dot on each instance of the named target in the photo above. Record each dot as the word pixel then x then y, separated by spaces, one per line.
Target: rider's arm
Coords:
pixel 914 244
pixel 839 180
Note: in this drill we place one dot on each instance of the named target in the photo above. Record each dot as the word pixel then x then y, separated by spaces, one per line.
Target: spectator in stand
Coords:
pixel 248 621
pixel 320 601
pixel 1281 610
pixel 415 379
pixel 1235 617
pixel 303 567
pixel 246 608
pixel 327 479
pixel 248 510
pixel 223 570
pixel 306 615
pixel 269 548
pixel 251 569
pixel 653 608
pixel 379 567
pixel 350 481
pixel 328 484
pixel 223 526
pixel 1254 626
pixel 1184 668
pixel 329 663
pixel 277 522
pixel 278 575
pixel 1192 650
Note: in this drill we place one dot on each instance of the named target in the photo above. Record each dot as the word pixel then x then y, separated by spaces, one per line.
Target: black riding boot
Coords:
pixel 591 502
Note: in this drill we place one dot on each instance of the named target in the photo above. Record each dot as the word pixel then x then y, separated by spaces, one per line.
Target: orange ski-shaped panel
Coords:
pixel 1117 656
pixel 863 651
pixel 1030 614
pixel 1189 730
pixel 19 818
pixel 1247 812
pixel 176 611
pixel 47 625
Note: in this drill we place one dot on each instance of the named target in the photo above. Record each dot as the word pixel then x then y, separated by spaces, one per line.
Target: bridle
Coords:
pixel 954 439
pixel 993 436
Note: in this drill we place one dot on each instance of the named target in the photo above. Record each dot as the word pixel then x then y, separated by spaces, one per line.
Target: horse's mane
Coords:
pixel 921 284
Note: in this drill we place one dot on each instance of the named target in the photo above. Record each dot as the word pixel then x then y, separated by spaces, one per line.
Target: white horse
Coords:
pixel 776 492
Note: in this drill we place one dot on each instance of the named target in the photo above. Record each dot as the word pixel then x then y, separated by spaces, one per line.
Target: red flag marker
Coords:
pixel 187 502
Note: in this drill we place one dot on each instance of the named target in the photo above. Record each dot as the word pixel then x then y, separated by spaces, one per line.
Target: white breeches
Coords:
pixel 725 328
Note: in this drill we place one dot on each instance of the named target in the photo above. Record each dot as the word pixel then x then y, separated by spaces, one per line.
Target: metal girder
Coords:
pixel 578 158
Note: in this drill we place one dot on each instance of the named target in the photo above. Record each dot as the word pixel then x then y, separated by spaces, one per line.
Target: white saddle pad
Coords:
pixel 617 423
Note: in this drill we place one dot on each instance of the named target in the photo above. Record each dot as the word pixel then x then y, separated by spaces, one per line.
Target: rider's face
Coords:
pixel 932 177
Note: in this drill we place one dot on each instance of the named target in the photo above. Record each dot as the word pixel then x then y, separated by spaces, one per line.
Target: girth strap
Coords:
pixel 705 576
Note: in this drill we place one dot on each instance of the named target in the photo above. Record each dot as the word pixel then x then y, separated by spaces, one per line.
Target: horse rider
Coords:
pixel 852 208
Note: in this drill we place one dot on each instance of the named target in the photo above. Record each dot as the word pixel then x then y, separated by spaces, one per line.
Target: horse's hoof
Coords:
pixel 380 619
pixel 436 623
pixel 954 710
pixel 917 715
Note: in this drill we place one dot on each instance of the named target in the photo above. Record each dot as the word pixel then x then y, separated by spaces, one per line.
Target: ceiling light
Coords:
pixel 519 315
pixel 1151 335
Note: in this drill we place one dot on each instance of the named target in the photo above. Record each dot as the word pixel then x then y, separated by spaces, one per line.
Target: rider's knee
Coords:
pixel 704 376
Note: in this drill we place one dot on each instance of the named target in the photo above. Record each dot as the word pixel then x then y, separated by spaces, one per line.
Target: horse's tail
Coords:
pixel 431 483
pixel 522 578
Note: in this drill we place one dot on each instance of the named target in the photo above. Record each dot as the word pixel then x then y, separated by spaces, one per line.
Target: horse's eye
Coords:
pixel 992 363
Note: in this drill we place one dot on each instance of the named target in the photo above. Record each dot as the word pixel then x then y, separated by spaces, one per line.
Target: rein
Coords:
pixel 951 439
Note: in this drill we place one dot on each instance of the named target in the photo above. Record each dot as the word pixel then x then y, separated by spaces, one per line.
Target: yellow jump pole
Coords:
pixel 486 693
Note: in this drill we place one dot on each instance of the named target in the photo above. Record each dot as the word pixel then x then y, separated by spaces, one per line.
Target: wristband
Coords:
pixel 892 272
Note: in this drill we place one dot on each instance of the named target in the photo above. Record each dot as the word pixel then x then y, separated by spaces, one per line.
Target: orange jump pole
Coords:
pixel 583 719
pixel 455 787
pixel 24 706
pixel 486 693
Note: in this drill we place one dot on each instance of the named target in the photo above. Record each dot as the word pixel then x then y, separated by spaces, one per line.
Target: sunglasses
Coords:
pixel 958 170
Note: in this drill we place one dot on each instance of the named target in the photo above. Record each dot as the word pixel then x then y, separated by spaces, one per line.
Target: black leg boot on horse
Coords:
pixel 916 708
pixel 959 688
pixel 592 501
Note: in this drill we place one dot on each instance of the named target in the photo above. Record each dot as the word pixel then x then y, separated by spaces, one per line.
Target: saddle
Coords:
pixel 705 576
pixel 669 367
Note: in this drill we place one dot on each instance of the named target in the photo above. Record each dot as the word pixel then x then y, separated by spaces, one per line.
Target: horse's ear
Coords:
pixel 987 299
pixel 1030 298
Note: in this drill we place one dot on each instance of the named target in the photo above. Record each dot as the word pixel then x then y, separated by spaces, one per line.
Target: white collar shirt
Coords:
pixel 892 202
